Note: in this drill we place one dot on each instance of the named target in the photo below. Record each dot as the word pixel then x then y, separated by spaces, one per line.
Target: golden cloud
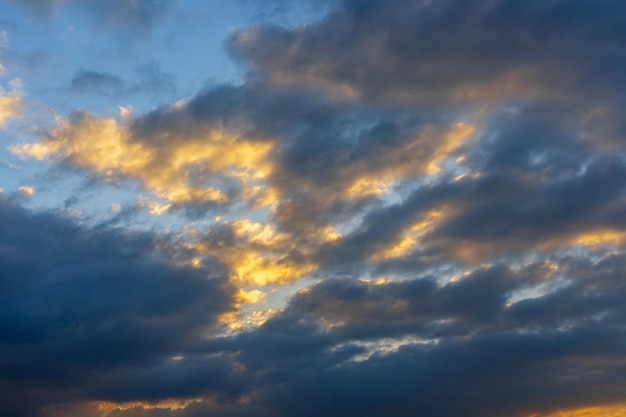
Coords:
pixel 411 236
pixel 260 255
pixel 181 170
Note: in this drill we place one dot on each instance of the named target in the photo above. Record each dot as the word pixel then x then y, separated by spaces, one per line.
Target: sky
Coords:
pixel 272 208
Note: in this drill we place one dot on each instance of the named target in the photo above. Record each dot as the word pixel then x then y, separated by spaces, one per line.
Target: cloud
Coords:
pixel 433 190
pixel 459 347
pixel 109 149
pixel 151 81
pixel 154 81
pixel 235 148
pixel 100 83
pixel 11 103
pixel 26 190
pixel 97 309
pixel 490 50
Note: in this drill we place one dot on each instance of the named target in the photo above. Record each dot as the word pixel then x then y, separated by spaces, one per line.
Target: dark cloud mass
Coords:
pixel 86 313
pixel 436 188
pixel 463 348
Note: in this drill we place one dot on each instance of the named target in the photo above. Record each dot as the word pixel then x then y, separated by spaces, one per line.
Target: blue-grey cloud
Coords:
pixel 151 80
pixel 472 353
pixel 85 310
pixel 488 50
pixel 100 83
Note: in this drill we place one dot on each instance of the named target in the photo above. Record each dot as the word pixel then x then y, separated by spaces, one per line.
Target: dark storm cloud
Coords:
pixel 83 311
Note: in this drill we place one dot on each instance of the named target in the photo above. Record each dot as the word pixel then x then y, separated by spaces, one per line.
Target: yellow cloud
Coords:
pixel 168 404
pixel 329 234
pixel 366 187
pixel 26 190
pixel 10 103
pixel 255 269
pixel 452 140
pixel 246 317
pixel 601 238
pixel 182 169
pixel 411 236
pixel 260 255
pixel 241 320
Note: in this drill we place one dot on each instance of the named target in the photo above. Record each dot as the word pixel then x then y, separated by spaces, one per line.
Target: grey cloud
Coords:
pixel 497 360
pixel 84 310
pixel 502 364
pixel 539 183
pixel 151 80
pixel 462 378
pixel 100 83
pixel 447 51
pixel 155 81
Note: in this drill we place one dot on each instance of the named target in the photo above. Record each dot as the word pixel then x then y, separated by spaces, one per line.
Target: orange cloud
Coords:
pixel 610 411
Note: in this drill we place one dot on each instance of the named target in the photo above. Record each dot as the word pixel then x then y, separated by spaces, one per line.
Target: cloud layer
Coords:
pixel 404 208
